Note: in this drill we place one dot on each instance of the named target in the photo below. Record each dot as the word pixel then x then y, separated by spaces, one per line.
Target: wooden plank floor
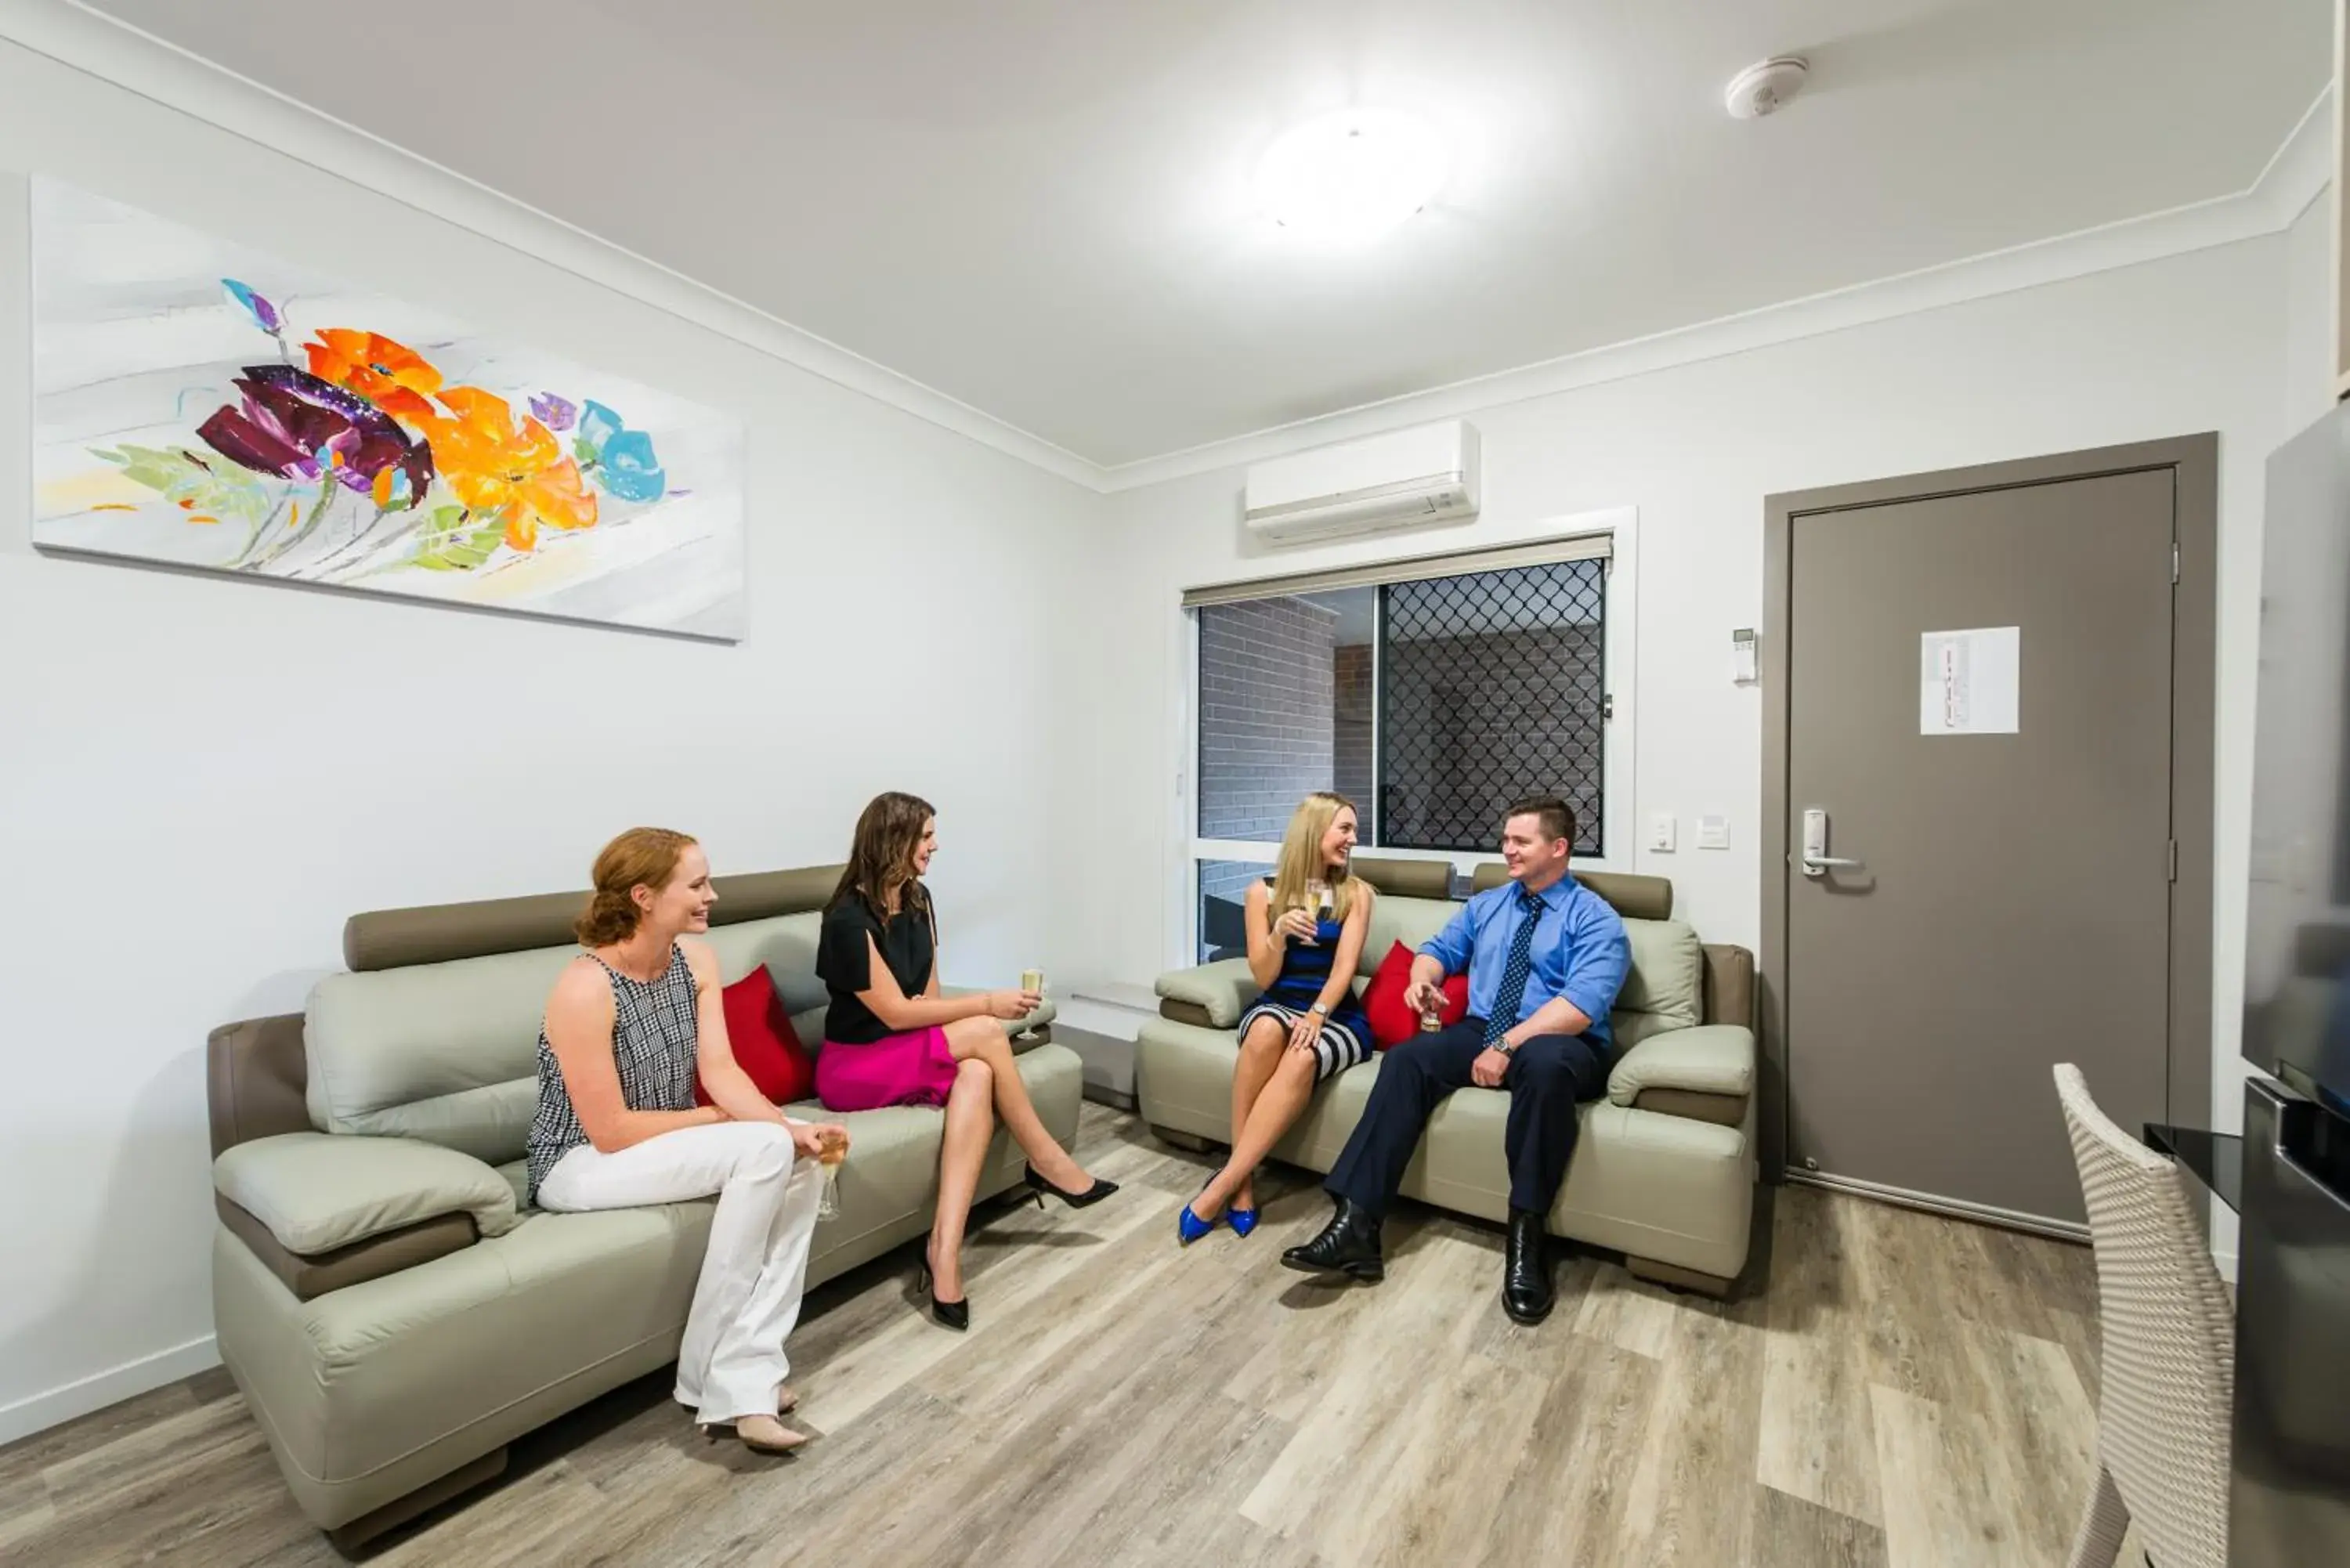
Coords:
pixel 1894 1391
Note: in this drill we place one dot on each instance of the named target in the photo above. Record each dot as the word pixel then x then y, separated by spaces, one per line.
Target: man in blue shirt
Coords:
pixel 1545 957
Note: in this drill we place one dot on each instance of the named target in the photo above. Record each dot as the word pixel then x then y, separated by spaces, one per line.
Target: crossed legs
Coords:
pixel 987 1085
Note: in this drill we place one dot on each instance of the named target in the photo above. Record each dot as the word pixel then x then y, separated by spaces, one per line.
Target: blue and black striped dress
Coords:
pixel 1304 970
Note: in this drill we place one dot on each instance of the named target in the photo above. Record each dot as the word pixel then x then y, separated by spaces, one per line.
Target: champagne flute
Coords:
pixel 1317 893
pixel 1032 981
pixel 830 1155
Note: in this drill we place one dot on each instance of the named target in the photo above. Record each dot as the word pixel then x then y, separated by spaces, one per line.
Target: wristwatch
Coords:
pixel 1317 1007
pixel 1505 1047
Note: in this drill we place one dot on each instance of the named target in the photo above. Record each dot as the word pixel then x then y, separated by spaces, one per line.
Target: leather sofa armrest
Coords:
pixel 1212 996
pixel 1729 985
pixel 254 1073
pixel 1711 1059
pixel 1028 1032
pixel 317 1193
pixel 310 1276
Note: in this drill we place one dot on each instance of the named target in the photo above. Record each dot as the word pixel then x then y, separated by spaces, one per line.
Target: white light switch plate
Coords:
pixel 1662 830
pixel 1713 833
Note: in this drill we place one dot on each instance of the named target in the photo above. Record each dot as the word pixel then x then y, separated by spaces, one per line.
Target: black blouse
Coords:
pixel 845 964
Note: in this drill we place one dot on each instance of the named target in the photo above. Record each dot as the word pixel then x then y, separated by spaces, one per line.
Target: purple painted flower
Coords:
pixel 555 413
pixel 295 426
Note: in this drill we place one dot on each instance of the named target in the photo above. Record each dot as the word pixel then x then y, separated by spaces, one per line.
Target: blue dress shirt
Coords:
pixel 1580 951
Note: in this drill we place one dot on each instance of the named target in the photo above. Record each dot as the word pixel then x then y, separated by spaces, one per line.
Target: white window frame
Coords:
pixel 1619 815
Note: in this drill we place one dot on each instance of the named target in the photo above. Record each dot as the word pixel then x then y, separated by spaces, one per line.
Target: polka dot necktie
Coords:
pixel 1514 972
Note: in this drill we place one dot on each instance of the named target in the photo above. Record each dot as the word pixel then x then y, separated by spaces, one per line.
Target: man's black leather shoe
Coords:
pixel 1526 1292
pixel 1348 1245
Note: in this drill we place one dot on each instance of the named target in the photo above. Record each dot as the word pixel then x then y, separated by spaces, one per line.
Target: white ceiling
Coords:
pixel 1041 207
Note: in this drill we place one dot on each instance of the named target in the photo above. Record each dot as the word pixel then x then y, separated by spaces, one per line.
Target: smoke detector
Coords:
pixel 1763 88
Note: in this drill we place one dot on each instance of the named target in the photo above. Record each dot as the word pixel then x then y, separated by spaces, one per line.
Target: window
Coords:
pixel 1432 694
pixel 1267 669
pixel 1492 687
pixel 1224 894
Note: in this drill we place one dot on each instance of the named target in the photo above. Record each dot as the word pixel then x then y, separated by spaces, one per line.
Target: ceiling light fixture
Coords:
pixel 1352 174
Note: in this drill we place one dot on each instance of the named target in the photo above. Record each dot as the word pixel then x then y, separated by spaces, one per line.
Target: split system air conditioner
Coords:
pixel 1404 480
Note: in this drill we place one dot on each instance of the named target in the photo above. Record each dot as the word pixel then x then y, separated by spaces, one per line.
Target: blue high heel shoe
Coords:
pixel 1189 1227
pixel 1243 1220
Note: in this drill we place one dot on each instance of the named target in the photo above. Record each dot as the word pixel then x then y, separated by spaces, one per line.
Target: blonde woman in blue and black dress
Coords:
pixel 1305 930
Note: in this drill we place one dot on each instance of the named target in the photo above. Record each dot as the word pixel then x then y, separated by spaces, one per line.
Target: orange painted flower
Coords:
pixel 389 374
pixel 497 465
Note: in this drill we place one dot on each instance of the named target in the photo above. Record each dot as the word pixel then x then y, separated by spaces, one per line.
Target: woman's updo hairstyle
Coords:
pixel 641 857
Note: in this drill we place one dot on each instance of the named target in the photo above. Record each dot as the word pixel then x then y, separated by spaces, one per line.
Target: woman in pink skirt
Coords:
pixel 891 1039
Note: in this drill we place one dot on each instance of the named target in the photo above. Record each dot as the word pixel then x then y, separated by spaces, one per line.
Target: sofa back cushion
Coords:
pixel 1410 921
pixel 1664 989
pixel 448 1052
pixel 785 944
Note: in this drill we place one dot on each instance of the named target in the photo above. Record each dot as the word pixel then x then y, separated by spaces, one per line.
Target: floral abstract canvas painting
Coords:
pixel 201 405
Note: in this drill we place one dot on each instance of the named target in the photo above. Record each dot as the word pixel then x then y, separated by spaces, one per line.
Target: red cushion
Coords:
pixel 1392 1023
pixel 765 1046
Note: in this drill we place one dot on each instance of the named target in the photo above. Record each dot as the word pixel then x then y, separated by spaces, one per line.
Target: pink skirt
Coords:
pixel 915 1068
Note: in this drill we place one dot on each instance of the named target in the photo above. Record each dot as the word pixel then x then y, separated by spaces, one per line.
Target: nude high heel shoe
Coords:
pixel 760 1434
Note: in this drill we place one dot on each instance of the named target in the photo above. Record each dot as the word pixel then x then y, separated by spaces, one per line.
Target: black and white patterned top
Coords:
pixel 653 1040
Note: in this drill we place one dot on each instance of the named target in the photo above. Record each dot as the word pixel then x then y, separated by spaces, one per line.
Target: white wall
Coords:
pixel 2187 344
pixel 200 778
pixel 2309 304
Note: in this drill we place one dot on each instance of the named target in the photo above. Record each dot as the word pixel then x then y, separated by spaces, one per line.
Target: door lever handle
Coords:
pixel 1814 856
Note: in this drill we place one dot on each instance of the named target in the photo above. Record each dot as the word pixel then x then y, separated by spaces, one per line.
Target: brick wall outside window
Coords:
pixel 1351 728
pixel 1266 728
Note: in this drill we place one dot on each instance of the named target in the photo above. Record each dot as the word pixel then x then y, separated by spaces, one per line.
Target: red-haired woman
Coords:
pixel 629 1023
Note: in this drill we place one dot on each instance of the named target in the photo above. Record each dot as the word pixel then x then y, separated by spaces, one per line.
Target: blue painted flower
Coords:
pixel 598 425
pixel 630 469
pixel 621 461
pixel 265 315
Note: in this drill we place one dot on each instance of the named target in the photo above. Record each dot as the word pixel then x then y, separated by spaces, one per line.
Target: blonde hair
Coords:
pixel 1301 858
pixel 641 857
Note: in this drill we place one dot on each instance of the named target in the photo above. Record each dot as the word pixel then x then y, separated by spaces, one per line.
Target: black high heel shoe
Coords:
pixel 1094 1194
pixel 955 1316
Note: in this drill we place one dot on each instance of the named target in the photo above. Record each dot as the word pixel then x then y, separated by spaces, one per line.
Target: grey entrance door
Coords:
pixel 2011 904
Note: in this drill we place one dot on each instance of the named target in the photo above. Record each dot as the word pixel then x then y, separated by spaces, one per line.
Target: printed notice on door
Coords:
pixel 1967 682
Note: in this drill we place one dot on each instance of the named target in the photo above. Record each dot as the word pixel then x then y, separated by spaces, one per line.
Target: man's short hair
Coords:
pixel 1557 816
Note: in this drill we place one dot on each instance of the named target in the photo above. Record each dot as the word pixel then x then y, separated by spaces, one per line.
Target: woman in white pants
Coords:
pixel 628 1024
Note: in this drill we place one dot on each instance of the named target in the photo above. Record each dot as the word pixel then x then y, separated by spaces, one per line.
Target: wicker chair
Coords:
pixel 2167 1359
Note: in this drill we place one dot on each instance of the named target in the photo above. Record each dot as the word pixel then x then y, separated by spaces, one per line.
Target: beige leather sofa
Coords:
pixel 1664 1171
pixel 392 1311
